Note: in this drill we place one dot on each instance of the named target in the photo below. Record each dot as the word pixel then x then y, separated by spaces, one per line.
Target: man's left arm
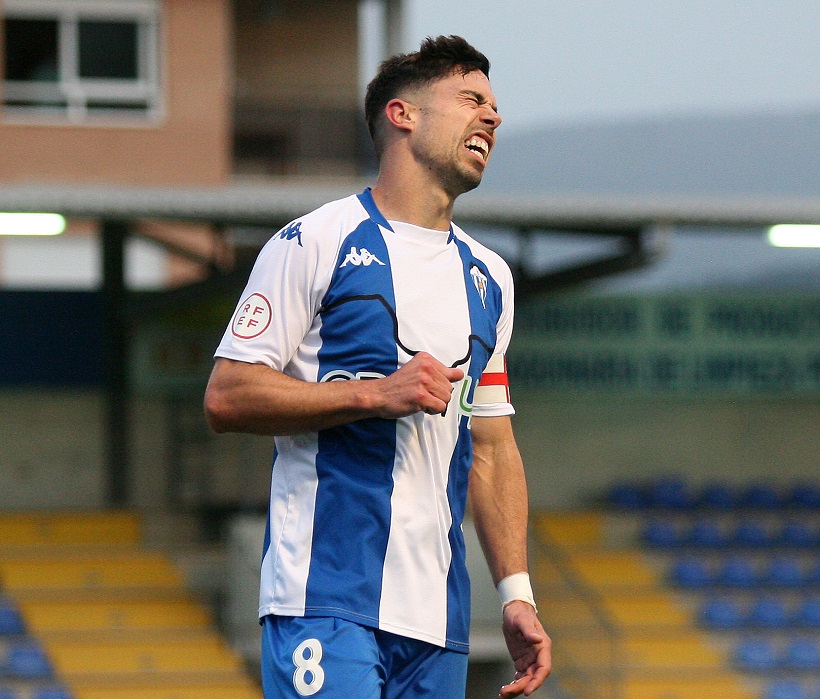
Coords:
pixel 498 500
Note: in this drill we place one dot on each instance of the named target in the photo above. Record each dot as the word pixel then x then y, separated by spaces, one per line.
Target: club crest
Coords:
pixel 480 281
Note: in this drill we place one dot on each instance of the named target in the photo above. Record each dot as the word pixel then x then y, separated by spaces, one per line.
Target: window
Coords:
pixel 81 58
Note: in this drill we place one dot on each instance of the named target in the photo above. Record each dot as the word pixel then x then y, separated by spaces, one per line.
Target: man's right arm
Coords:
pixel 254 398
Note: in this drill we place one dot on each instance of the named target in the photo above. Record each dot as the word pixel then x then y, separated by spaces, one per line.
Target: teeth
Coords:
pixel 479 143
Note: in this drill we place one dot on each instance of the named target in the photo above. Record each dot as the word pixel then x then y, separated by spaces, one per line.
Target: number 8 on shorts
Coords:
pixel 309 676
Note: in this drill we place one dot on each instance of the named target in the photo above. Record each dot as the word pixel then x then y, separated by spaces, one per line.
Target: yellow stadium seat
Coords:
pixel 657 611
pixel 239 690
pixel 73 659
pixel 67 572
pixel 569 528
pixel 601 569
pixel 71 616
pixel 93 528
pixel 681 652
pixel 718 687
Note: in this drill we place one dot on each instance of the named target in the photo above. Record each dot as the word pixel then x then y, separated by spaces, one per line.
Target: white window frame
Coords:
pixel 77 92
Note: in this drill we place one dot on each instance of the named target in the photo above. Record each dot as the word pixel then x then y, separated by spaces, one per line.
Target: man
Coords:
pixel 370 340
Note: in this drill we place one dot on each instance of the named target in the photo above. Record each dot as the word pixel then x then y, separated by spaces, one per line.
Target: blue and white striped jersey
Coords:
pixel 365 518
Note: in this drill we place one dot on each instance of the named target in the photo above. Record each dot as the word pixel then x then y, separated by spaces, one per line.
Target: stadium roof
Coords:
pixel 276 204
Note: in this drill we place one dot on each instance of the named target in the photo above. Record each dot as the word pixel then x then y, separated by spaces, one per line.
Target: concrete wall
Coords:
pixel 51 447
pixel 574 446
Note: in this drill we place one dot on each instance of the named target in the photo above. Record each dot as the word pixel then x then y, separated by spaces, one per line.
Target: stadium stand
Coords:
pixel 688 591
pixel 87 612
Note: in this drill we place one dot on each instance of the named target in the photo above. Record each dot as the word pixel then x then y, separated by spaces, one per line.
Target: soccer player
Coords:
pixel 370 340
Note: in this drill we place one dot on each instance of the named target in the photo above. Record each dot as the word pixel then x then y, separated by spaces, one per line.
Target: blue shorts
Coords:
pixel 336 659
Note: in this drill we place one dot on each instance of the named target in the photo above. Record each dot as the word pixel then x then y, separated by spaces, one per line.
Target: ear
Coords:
pixel 400 114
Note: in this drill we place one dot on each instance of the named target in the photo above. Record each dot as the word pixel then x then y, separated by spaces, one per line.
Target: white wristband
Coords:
pixel 516 587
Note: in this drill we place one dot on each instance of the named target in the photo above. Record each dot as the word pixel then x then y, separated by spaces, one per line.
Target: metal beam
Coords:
pixel 116 353
pixel 276 204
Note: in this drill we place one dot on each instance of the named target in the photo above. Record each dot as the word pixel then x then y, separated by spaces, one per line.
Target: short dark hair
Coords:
pixel 436 58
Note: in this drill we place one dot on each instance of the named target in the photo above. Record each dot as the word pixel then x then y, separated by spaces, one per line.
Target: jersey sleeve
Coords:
pixel 279 302
pixel 492 395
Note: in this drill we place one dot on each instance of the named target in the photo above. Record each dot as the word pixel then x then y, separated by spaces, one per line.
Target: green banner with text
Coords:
pixel 747 345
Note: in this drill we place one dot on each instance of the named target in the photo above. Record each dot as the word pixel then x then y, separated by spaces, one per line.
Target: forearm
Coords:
pixel 498 498
pixel 256 399
pixel 243 397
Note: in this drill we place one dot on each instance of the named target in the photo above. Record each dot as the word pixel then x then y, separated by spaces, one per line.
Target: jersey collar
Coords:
pixel 366 198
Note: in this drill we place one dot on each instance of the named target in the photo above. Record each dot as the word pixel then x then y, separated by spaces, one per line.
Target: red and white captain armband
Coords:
pixel 516 587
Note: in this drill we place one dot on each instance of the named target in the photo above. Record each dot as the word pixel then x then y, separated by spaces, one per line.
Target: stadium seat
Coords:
pixel 769 613
pixel 805 495
pixel 51 693
pixel 628 496
pixel 755 655
pixel 661 533
pixel 784 572
pixel 751 534
pixel 11 621
pixel 808 613
pixel 738 573
pixel 26 660
pixel 812 576
pixel 802 654
pixel 671 493
pixel 7 692
pixel 785 689
pixel 707 534
pixel 690 573
pixel 798 534
pixel 761 496
pixel 721 613
pixel 718 496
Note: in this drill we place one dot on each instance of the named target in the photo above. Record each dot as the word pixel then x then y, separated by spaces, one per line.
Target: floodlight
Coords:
pixel 31 224
pixel 787 235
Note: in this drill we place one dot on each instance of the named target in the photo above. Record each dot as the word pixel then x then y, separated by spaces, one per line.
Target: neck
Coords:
pixel 412 198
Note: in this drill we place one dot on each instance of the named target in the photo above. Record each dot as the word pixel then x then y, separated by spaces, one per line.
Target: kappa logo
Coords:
pixel 480 281
pixel 291 232
pixel 360 257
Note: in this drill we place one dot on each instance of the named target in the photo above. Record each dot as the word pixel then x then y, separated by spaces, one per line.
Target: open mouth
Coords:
pixel 480 146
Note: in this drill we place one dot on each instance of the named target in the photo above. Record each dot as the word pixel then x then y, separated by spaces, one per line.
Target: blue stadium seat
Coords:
pixel 26 660
pixel 739 573
pixel 51 693
pixel 761 496
pixel 11 621
pixel 808 613
pixel 785 572
pixel 628 496
pixel 7 692
pixel 803 655
pixel 718 496
pixel 721 613
pixel 671 493
pixel 755 655
pixel 812 576
pixel 785 689
pixel 805 495
pixel 798 534
pixel 751 534
pixel 661 533
pixel 691 573
pixel 769 613
pixel 707 534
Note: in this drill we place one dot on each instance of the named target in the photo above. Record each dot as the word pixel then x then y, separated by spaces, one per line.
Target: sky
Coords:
pixel 556 62
pixel 570 63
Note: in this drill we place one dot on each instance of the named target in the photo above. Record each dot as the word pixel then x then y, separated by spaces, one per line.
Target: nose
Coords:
pixel 491 117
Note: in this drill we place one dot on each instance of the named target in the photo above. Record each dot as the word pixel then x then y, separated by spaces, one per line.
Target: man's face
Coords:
pixel 455 131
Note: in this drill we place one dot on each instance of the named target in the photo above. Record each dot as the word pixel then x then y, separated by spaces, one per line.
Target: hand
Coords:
pixel 530 649
pixel 424 383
